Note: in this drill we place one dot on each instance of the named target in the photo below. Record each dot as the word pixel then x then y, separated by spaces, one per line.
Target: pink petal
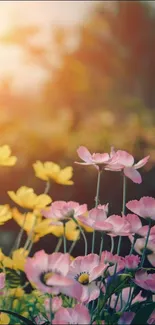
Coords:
pixel 97 271
pixel 151 259
pixel 134 221
pixel 59 262
pixel 99 158
pixel 141 162
pixel 83 314
pixel 145 207
pixel 59 280
pixel 84 154
pixel 74 291
pixel 90 292
pixel 124 158
pixel 133 174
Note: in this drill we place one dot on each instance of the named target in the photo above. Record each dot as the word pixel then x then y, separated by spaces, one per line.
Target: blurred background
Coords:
pixel 76 73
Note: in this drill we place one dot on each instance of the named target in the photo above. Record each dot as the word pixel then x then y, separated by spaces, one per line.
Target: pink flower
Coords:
pixel 135 222
pixel 56 304
pixel 131 262
pixel 151 320
pixel 77 315
pixel 107 257
pixel 126 318
pixel 122 160
pixel 150 251
pixel 145 207
pixel 2 280
pixel 61 210
pixel 92 159
pixel 48 272
pixel 145 280
pixel 86 269
pixel 120 226
pixel 97 218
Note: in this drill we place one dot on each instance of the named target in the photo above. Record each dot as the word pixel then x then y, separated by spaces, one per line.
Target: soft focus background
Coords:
pixel 76 73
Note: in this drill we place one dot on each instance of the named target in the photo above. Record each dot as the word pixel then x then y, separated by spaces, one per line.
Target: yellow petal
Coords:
pixel 40 170
pixel 7 262
pixel 4 319
pixel 42 200
pixel 19 258
pixel 5 156
pixel 26 198
pixel 5 213
pixel 65 175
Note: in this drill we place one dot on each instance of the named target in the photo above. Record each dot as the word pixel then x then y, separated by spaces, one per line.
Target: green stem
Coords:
pixel 58 245
pixel 146 242
pixel 96 204
pixel 83 234
pixel 30 236
pixel 123 211
pixel 47 187
pixel 64 239
pixel 19 237
pixel 132 246
pixel 72 246
pixel 112 244
pixel 102 242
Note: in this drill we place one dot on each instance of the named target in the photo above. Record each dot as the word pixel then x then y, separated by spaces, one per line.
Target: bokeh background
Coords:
pixel 76 73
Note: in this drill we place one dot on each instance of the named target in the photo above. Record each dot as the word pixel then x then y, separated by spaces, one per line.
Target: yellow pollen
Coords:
pixel 47 276
pixel 84 278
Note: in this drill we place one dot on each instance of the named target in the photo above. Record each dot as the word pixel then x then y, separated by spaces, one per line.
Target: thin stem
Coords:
pixel 64 239
pixel 19 237
pixel 132 246
pixel 72 246
pixel 96 204
pixel 124 194
pixel 30 236
pixel 83 234
pixel 123 211
pixel 112 244
pixel 119 245
pixel 47 187
pixel 102 242
pixel 146 242
pixel 58 245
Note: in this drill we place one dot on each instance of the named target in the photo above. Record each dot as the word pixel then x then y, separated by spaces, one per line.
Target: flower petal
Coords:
pixel 133 174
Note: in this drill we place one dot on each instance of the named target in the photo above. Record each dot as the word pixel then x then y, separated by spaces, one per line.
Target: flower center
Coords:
pixel 83 278
pixel 47 276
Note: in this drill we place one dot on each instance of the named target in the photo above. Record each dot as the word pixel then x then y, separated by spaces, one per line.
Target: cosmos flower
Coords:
pixel 122 160
pixel 79 314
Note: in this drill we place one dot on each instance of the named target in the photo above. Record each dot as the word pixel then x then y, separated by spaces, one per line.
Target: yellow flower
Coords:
pixel 17 262
pixel 71 231
pixel 5 213
pixel 26 221
pixel 5 156
pixel 26 198
pixel 17 292
pixel 50 170
pixel 19 258
pixel 4 319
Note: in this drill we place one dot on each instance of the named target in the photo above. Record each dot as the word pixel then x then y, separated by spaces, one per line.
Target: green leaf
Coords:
pixel 25 320
pixel 117 284
pixel 143 314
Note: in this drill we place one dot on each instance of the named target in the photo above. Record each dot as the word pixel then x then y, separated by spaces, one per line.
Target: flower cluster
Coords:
pixel 100 287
